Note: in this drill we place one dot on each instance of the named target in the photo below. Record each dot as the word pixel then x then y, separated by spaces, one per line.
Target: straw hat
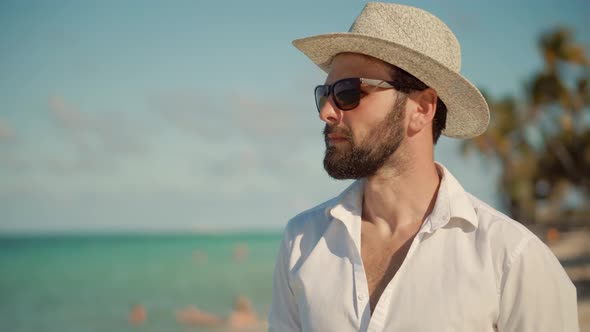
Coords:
pixel 419 43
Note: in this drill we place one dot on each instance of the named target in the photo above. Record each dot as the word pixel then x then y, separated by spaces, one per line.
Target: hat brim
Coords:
pixel 467 111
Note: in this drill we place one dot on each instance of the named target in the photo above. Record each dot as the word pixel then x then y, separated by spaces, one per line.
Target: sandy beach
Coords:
pixel 573 250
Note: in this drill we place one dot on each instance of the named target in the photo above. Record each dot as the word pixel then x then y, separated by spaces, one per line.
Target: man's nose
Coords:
pixel 329 113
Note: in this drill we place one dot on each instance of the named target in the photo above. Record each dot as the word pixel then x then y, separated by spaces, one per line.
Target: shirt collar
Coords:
pixel 452 203
pixel 347 208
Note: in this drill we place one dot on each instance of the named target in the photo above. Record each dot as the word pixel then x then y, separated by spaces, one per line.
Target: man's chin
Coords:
pixel 338 176
pixel 336 169
pixel 335 156
pixel 348 166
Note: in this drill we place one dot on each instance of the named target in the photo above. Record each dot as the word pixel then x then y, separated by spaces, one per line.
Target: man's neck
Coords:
pixel 398 199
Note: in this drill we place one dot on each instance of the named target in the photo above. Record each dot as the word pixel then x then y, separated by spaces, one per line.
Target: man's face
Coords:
pixel 360 141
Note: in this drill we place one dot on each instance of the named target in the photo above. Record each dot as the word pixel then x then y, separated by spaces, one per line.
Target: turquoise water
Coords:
pixel 88 283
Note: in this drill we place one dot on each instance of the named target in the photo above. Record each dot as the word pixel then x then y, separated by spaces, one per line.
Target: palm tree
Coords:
pixel 543 143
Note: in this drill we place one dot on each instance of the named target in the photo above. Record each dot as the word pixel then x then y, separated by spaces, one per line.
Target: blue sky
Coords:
pixel 199 115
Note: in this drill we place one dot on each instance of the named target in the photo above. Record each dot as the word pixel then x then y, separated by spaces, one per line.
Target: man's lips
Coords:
pixel 335 138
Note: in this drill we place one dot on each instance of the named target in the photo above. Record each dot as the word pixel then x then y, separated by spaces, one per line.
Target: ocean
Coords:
pixel 86 283
pixel 78 283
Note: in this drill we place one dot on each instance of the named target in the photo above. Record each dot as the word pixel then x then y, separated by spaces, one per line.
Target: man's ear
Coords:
pixel 425 109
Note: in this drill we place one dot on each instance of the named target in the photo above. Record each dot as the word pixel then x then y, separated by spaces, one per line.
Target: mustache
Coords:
pixel 340 131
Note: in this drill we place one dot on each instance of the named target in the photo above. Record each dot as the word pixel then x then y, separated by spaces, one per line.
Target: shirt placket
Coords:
pixel 377 319
pixel 361 295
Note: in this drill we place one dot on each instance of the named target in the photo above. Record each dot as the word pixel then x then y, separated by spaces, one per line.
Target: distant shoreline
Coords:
pixel 134 233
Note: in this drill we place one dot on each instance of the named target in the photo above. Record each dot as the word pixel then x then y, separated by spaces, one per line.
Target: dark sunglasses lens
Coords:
pixel 347 93
pixel 321 96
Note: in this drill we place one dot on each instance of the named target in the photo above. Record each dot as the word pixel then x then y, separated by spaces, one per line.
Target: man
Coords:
pixel 405 248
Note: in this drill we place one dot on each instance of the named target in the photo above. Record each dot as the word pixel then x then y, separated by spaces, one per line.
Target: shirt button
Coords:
pixel 360 297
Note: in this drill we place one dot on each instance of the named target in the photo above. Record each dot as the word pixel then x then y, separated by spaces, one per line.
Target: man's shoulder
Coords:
pixel 507 237
pixel 517 251
pixel 490 216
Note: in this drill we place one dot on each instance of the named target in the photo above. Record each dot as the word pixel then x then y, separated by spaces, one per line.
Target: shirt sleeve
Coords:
pixel 537 295
pixel 284 314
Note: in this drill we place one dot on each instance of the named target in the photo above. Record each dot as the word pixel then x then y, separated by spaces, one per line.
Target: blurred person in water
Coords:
pixel 137 315
pixel 242 316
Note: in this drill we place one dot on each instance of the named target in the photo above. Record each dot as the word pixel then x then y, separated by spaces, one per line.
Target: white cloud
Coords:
pixel 191 158
pixel 99 138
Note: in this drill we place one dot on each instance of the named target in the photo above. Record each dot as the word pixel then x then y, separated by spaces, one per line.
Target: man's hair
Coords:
pixel 409 82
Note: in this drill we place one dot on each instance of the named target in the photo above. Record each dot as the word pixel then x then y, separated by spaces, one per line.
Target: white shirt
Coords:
pixel 470 268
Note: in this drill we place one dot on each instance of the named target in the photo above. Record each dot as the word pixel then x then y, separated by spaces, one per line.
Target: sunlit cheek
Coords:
pixel 361 137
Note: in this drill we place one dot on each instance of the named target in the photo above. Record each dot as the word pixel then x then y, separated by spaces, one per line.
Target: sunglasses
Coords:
pixel 346 93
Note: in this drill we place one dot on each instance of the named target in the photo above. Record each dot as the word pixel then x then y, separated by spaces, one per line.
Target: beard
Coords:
pixel 358 160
